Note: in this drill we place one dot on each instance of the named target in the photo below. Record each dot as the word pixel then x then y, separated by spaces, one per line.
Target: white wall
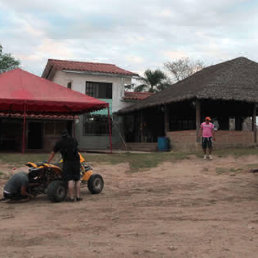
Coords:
pixel 79 84
pixel 79 81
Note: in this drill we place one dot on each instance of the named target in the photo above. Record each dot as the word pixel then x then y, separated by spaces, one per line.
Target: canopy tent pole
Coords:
pixel 109 128
pixel 24 129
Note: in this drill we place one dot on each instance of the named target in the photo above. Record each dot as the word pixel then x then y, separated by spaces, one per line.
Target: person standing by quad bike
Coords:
pixel 68 147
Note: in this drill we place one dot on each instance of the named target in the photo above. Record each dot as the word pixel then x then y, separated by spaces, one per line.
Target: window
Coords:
pixel 100 90
pixel 69 85
pixel 95 125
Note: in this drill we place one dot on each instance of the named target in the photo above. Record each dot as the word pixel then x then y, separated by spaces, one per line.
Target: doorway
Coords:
pixel 35 135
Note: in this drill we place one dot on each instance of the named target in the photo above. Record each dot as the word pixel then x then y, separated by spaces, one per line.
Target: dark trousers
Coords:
pixel 206 142
pixel 14 196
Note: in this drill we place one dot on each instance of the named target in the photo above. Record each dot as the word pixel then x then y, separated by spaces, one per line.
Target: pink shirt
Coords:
pixel 207 129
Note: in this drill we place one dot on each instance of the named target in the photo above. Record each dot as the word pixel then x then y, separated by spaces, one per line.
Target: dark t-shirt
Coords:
pixel 68 147
pixel 15 183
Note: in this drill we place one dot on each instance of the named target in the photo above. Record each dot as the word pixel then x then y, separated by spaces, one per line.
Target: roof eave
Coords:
pixel 100 73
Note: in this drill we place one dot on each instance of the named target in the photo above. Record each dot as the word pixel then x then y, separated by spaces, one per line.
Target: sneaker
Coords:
pixel 210 157
pixel 78 199
pixel 204 157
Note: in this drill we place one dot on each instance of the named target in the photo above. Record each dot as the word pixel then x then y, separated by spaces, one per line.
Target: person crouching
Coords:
pixel 16 187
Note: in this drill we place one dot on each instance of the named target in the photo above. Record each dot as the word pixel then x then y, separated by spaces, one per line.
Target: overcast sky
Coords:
pixel 135 35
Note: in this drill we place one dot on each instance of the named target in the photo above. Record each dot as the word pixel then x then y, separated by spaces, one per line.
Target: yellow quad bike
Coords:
pixel 47 178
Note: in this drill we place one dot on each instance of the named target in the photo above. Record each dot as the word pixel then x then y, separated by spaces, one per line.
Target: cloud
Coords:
pixel 135 36
pixel 175 54
pixel 55 48
pixel 135 59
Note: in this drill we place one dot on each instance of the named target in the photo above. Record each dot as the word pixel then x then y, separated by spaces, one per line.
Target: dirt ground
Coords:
pixel 189 208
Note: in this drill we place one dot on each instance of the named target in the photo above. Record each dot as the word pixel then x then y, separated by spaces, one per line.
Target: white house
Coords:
pixel 99 80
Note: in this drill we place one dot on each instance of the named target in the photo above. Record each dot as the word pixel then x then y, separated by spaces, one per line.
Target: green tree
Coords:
pixel 130 86
pixel 183 68
pixel 7 62
pixel 152 81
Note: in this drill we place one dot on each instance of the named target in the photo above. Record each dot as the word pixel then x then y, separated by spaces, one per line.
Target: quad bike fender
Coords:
pixel 32 165
pixel 57 169
pixel 87 175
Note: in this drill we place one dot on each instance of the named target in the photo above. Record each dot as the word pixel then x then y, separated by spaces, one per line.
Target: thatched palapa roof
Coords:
pixel 235 80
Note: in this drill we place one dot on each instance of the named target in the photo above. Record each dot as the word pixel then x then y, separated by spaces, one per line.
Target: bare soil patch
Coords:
pixel 186 208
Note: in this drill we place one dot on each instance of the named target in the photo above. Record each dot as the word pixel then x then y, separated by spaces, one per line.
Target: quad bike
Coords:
pixel 47 178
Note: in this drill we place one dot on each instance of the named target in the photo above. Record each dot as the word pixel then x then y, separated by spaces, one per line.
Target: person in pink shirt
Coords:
pixel 207 132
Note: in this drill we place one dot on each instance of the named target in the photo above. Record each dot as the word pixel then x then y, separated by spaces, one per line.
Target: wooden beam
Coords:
pixel 141 127
pixel 254 122
pixel 166 119
pixel 197 118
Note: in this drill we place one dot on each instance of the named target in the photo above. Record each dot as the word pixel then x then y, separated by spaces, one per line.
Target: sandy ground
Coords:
pixel 190 208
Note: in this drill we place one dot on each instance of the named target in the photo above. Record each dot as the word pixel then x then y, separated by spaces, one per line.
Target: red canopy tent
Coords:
pixel 23 92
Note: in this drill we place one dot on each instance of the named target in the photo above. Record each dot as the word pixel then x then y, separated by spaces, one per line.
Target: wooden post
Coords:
pixel 254 122
pixel 197 119
pixel 166 120
pixel 142 126
pixel 24 129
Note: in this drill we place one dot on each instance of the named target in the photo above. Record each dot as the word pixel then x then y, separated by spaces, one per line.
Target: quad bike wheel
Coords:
pixel 56 191
pixel 95 184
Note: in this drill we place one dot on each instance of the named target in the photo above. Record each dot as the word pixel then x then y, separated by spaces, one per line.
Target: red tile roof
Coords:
pixel 136 95
pixel 54 65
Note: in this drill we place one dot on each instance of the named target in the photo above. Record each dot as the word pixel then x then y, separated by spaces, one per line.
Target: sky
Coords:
pixel 133 34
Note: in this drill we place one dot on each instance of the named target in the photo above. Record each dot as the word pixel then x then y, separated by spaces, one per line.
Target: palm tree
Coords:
pixel 153 81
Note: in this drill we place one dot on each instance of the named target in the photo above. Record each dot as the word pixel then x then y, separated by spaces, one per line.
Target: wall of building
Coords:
pixel 51 132
pixel 78 80
pixel 79 83
pixel 186 140
pixel 90 142
pixel 49 142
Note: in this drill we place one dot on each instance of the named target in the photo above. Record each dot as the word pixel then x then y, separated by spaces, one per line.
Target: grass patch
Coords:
pixel 236 170
pixel 236 152
pixel 252 165
pixel 136 161
pixel 3 175
pixel 18 159
pixel 221 170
